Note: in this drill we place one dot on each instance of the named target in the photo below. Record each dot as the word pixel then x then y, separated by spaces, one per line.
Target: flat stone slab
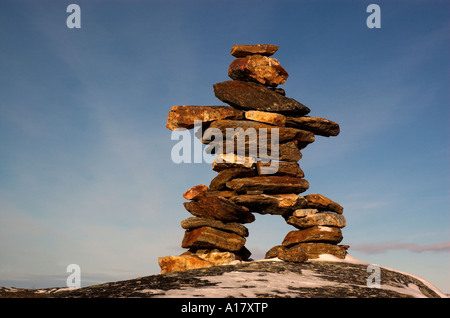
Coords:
pixel 184 116
pixel 287 151
pixel 304 251
pixel 324 234
pixel 219 208
pixel 323 218
pixel 263 69
pixel 231 129
pixel 254 96
pixel 317 125
pixel 276 204
pixel 196 222
pixel 281 168
pixel 219 182
pixel 210 238
pixel 262 49
pixel 269 184
pixel 266 117
pixel 322 203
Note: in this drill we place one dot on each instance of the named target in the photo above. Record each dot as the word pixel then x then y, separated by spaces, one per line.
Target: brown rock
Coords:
pixel 290 200
pixel 208 237
pixel 314 250
pixel 216 257
pixel 322 203
pixel 247 129
pixel 254 192
pixel 277 204
pixel 305 251
pixel 288 151
pixel 195 192
pixel 266 117
pixel 196 222
pixel 262 49
pixel 279 90
pixel 219 182
pixel 188 261
pixel 243 254
pixel 181 263
pixel 255 202
pixel 219 208
pixel 294 254
pixel 269 184
pixel 317 125
pixel 223 193
pixel 282 168
pixel 184 116
pixel 304 212
pixel 255 96
pixel 227 161
pixel 313 234
pixel 322 219
pixel 263 69
pixel 275 251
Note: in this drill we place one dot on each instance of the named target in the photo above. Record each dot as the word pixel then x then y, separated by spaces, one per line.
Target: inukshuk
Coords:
pixel 254 176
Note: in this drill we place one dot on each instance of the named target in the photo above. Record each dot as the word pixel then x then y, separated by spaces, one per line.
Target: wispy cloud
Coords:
pixel 383 247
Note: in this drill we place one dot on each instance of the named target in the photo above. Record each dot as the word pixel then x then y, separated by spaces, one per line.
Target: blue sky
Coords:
pixel 86 175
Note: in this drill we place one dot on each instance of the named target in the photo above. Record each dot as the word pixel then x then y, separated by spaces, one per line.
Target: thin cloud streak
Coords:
pixel 383 247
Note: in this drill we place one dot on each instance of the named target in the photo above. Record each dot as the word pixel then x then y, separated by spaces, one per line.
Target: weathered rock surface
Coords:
pixel 314 250
pixel 310 250
pixel 255 96
pixel 184 262
pixel 262 49
pixel 288 151
pixel 277 204
pixel 313 234
pixel 184 116
pixel 278 90
pixel 230 160
pixel 223 193
pixel 219 182
pixel 322 203
pixel 267 279
pixel 266 117
pixel 219 208
pixel 263 69
pixel 319 126
pixel 304 212
pixel 211 238
pixel 318 219
pixel 196 222
pixel 269 184
pixel 281 168
pixel 251 129
pixel 195 192
pixel 293 254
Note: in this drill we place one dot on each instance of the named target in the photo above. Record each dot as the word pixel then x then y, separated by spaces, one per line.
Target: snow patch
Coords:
pixel 331 258
pixel 250 284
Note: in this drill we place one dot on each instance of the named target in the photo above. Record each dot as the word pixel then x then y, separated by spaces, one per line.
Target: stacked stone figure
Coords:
pixel 257 169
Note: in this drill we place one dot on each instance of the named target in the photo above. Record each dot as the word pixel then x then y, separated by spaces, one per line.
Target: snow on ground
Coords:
pixel 331 258
pixel 249 284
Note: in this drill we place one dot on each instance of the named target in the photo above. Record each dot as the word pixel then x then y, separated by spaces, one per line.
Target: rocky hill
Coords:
pixel 266 279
